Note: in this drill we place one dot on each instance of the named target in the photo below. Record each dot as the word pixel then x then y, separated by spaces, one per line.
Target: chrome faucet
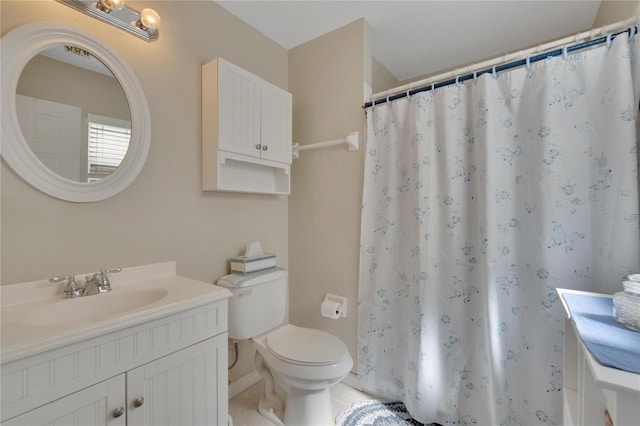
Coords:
pixel 93 284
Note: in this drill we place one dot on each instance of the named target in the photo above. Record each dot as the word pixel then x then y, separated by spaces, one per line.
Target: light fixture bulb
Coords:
pixel 149 19
pixel 109 5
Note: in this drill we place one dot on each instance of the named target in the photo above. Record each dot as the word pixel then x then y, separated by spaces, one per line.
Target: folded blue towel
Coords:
pixel 610 342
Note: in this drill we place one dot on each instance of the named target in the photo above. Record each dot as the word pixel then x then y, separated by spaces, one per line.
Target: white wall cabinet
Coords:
pixel 246 131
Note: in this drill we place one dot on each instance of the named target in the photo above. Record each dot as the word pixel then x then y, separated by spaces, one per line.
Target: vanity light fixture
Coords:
pixel 143 24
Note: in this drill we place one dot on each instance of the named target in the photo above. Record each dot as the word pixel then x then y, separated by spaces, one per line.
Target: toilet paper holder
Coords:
pixel 341 301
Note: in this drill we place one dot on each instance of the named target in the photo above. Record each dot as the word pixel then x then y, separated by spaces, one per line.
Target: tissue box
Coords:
pixel 248 265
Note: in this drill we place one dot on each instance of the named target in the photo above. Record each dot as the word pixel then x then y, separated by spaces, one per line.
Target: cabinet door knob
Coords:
pixel 258 146
pixel 138 402
pixel 265 148
pixel 117 412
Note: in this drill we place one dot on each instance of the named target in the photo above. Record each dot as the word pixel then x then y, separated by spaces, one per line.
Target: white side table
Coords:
pixel 589 388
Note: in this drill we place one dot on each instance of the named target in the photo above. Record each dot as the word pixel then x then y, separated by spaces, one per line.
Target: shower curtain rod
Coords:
pixel 491 66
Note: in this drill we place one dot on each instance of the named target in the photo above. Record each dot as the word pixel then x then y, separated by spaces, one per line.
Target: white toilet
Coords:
pixel 297 364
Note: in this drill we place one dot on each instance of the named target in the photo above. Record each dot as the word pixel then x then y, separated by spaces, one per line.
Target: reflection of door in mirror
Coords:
pixel 64 77
pixel 52 131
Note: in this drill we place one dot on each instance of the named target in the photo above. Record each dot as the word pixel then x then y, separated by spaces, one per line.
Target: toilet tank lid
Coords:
pixel 239 281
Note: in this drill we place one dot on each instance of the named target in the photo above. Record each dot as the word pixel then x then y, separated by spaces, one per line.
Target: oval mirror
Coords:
pixel 75 121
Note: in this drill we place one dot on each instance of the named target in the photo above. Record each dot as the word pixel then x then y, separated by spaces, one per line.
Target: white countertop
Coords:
pixel 26 331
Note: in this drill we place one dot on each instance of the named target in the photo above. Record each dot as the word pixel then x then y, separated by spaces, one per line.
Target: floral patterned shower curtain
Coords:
pixel 479 201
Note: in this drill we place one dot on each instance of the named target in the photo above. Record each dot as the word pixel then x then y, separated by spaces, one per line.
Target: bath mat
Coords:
pixel 376 413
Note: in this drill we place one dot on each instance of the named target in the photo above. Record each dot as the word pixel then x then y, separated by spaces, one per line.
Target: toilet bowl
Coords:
pixel 298 364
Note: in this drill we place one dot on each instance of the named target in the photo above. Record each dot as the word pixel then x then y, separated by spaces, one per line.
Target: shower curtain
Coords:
pixel 480 199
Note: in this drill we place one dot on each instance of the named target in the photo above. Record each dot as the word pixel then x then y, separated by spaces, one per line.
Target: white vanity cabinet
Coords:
pixel 246 131
pixel 164 364
pixel 178 389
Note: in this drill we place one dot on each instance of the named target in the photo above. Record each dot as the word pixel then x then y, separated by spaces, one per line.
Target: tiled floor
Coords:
pixel 243 408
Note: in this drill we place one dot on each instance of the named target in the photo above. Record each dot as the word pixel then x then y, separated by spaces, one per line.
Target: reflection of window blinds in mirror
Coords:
pixel 108 144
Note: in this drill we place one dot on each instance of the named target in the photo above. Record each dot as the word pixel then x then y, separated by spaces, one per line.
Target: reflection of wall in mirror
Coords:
pixel 93 93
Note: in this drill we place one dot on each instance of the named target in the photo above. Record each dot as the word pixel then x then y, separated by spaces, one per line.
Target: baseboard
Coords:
pixel 353 381
pixel 243 383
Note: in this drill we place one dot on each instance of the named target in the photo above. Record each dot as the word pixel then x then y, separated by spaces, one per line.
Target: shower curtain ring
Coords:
pixel 609 41
pixel 475 76
pixel 458 81
pixel 433 88
pixel 633 30
pixel 494 72
pixel 527 63
pixel 387 100
pixel 565 53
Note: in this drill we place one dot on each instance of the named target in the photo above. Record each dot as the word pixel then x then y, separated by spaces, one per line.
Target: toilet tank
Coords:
pixel 258 303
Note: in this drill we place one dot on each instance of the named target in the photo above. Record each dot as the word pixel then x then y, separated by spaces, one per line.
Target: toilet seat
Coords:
pixel 306 346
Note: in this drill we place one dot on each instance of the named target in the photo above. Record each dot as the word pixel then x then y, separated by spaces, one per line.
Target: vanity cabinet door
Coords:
pixel 188 387
pixel 98 405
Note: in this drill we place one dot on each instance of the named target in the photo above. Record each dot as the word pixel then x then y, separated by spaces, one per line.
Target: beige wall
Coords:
pixel 382 78
pixel 328 78
pixel 611 11
pixel 164 215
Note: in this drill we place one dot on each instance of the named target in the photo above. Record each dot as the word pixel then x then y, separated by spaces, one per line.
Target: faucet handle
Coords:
pixel 104 273
pixel 105 279
pixel 71 289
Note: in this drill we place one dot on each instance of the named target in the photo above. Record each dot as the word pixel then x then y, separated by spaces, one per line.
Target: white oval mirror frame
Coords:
pixel 18 47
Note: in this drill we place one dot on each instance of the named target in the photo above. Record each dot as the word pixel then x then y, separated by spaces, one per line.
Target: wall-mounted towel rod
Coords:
pixel 351 140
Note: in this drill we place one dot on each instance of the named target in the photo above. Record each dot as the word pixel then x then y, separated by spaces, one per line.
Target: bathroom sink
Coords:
pixel 86 309
pixel 35 317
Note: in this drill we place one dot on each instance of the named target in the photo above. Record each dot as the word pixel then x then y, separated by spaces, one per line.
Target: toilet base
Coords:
pixel 303 407
pixel 270 412
pixel 308 407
